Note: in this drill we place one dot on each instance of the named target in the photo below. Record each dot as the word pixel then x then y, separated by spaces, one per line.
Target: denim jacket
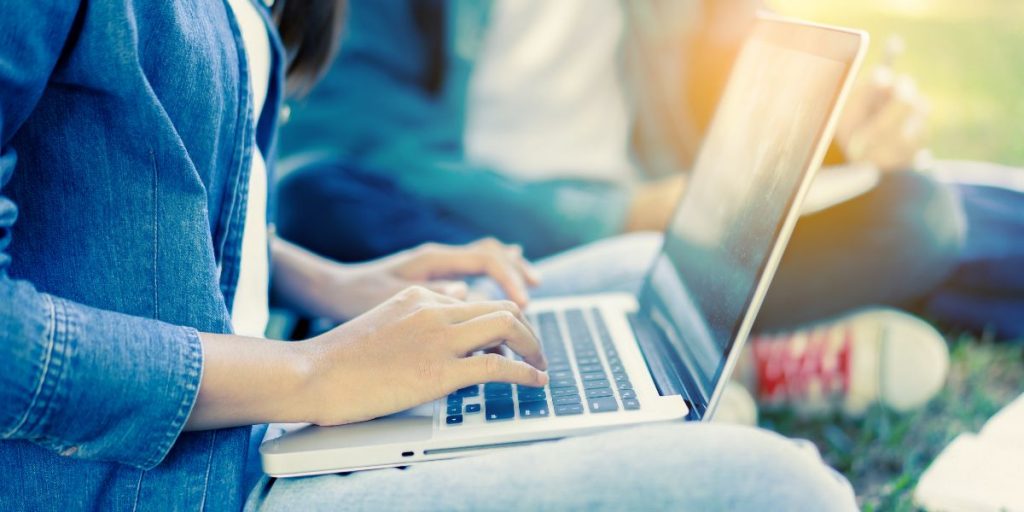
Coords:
pixel 125 138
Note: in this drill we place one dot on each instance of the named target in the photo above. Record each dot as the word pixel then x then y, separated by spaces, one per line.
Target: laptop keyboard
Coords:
pixel 581 381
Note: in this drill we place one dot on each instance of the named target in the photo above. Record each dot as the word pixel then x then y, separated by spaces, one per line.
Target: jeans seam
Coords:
pixel 209 466
pixel 138 491
pixel 156 236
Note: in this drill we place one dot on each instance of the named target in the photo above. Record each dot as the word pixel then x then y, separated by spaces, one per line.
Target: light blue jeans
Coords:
pixel 683 466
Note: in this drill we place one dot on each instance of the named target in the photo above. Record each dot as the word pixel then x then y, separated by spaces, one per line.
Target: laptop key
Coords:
pixel 532 397
pixel 630 404
pixel 595 384
pixel 598 393
pixel 604 404
pixel 566 400
pixel 620 377
pixel 538 409
pixel 587 360
pixel 500 409
pixel 468 391
pixel 472 408
pixel 568 409
pixel 565 392
pixel 566 374
pixel 627 393
pixel 454 409
pixel 453 419
pixel 625 385
pixel 454 400
pixel 562 383
pixel 589 368
pixel 594 376
pixel 498 393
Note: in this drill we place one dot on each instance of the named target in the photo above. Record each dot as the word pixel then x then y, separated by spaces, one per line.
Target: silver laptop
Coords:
pixel 666 353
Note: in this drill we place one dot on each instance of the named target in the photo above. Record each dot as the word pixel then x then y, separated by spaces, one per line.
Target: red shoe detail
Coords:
pixel 787 373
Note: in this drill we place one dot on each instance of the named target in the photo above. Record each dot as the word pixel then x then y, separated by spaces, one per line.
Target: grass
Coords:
pixel 968 60
pixel 884 454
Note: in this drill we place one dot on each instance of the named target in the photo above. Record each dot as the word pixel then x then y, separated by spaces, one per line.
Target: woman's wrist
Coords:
pixel 290 403
pixel 247 381
pixel 308 282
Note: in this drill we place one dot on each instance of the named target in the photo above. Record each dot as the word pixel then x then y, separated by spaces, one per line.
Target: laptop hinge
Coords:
pixel 667 369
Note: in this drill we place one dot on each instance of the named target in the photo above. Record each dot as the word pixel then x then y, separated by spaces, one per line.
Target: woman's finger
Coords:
pixel 454 289
pixel 459 312
pixel 529 272
pixel 479 260
pixel 495 368
pixel 495 329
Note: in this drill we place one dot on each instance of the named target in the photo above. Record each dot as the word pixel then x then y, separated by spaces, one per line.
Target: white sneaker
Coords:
pixel 875 355
pixel 736 406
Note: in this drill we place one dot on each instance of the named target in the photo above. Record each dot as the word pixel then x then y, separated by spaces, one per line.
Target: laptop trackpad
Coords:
pixel 409 426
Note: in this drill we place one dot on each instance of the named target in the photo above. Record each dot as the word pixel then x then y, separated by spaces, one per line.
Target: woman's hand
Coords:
pixel 350 290
pixel 415 347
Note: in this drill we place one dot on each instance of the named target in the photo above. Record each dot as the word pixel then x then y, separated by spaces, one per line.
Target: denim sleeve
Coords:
pixel 83 382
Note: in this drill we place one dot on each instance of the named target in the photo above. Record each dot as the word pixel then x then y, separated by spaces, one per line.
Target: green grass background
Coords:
pixel 967 57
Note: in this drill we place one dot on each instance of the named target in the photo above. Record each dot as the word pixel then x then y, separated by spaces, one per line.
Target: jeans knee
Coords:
pixel 745 468
pixel 632 248
pixel 941 221
pixel 928 220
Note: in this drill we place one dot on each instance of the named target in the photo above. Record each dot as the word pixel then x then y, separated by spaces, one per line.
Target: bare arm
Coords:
pixel 416 347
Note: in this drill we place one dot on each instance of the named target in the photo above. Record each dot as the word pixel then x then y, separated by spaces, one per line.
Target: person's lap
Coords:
pixel 699 466
pixel 665 467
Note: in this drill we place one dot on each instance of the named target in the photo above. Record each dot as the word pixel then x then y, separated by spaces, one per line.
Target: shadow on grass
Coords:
pixel 884 453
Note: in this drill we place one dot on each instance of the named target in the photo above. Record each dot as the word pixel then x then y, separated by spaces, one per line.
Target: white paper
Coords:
pixel 983 472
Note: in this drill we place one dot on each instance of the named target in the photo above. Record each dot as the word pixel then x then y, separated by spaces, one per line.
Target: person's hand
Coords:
pixel 415 347
pixel 350 290
pixel 653 203
pixel 883 123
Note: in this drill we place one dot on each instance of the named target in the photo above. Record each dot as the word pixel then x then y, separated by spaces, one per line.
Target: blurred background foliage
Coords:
pixel 967 57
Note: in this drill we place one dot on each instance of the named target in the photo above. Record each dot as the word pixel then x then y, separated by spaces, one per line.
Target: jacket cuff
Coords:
pixel 112 387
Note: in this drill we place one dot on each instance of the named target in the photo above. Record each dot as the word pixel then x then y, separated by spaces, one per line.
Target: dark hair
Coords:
pixel 310 31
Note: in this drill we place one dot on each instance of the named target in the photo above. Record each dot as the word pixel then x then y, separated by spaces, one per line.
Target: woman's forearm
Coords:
pixel 303 279
pixel 248 381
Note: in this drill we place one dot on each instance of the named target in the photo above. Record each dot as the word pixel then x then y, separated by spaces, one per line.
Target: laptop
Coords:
pixel 666 352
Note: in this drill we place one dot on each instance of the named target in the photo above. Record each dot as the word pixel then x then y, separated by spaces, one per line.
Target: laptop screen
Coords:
pixel 754 158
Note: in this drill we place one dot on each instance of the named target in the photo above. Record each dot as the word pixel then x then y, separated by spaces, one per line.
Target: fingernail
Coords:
pixel 542 378
pixel 534 274
pixel 456 289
